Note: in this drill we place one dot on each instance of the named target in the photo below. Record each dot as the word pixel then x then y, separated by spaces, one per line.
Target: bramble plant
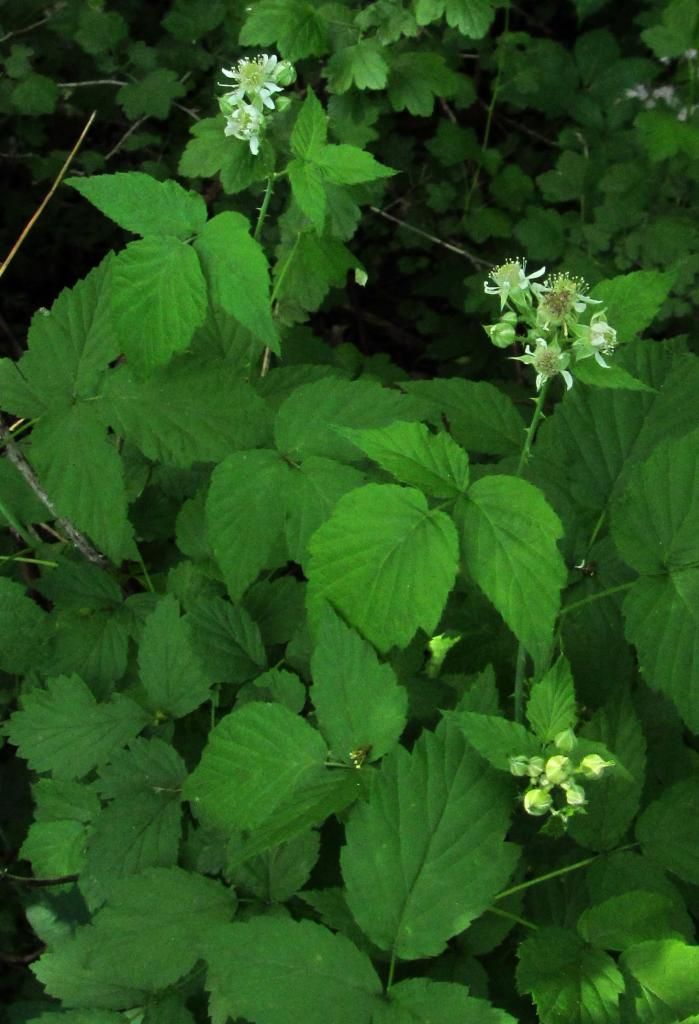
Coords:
pixel 350 565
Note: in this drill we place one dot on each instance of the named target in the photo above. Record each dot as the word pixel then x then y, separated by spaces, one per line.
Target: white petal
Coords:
pixel 567 377
pixel 229 73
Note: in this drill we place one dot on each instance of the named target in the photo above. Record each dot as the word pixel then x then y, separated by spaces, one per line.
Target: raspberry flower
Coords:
pixel 245 122
pixel 548 360
pixel 596 339
pixel 254 79
pixel 560 299
pixel 510 280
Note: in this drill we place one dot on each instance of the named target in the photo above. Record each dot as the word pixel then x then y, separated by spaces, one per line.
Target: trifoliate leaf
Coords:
pixel 432 462
pixel 171 673
pixel 64 730
pixel 569 981
pixel 361 710
pixel 426 854
pixel 480 418
pixel 158 300
pixel 386 561
pixel 551 705
pixel 238 275
pixel 142 204
pixel 245 514
pixel 269 967
pixel 22 628
pixel 508 537
pixel 254 759
pixel 421 1001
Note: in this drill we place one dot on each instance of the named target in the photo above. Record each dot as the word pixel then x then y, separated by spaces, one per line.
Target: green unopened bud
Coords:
pixel 282 103
pixel 285 73
pixel 592 766
pixel 566 741
pixel 557 769
pixel 537 802
pixel 575 794
pixel 502 334
pixel 536 767
pixel 519 766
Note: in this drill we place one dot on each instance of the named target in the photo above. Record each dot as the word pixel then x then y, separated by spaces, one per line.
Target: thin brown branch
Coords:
pixel 76 538
pixel 21 959
pixel 132 128
pixel 476 260
pixel 34 24
pixel 39 882
pixel 40 209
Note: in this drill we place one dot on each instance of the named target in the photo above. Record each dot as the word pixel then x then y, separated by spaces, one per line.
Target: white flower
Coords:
pixel 637 92
pixel 255 79
pixel 596 339
pixel 510 279
pixel 548 361
pixel 245 122
pixel 561 298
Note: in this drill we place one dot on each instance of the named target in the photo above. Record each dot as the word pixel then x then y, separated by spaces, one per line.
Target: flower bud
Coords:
pixel 557 769
pixel 592 766
pixel 285 73
pixel 565 741
pixel 575 794
pixel 519 766
pixel 536 767
pixel 537 802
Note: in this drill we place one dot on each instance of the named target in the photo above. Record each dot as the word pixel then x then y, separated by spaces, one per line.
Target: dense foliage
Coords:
pixel 349 650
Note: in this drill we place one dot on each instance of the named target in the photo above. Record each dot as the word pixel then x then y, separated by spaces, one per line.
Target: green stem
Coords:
pixel 28 561
pixel 531 429
pixel 561 871
pixel 269 188
pixel 146 577
pixel 491 107
pixel 595 533
pixel 391 971
pixel 513 917
pixel 596 597
pixel 519 684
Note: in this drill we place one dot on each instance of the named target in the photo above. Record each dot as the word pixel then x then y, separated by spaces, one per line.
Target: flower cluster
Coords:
pixel 552 787
pixel 550 312
pixel 251 91
pixel 666 94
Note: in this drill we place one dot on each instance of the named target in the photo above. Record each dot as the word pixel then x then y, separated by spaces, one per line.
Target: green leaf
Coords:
pixel 158 300
pixel 551 705
pixel 211 152
pixel 83 476
pixel 307 186
pixel 361 65
pixel 275 685
pixel 676 32
pixel 236 270
pixel 204 411
pixel 495 738
pixel 569 981
pixel 151 934
pixel 296 26
pixel 508 536
pixel 632 917
pixel 190 20
pixel 245 515
pixel 668 830
pixel 596 376
pixel 64 730
pixel 310 267
pixel 254 759
pixel 632 301
pixel 35 95
pixel 226 640
pixel 22 628
pixel 307 421
pixel 277 874
pixel 480 418
pixel 432 462
pixel 171 673
pixel 415 80
pixel 655 526
pixel 55 848
pixel 473 18
pixel 614 799
pixel 668 975
pixel 142 204
pixel 348 165
pixel 426 854
pixel 153 96
pixel 421 1001
pixel 386 561
pixel 310 129
pixel 313 490
pixel 268 970
pixel 358 702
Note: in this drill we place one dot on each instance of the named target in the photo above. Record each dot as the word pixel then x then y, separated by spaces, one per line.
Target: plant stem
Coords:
pixel 269 188
pixel 561 871
pixel 596 597
pixel 28 561
pixel 491 108
pixel 391 971
pixel 513 917
pixel 531 429
pixel 519 683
